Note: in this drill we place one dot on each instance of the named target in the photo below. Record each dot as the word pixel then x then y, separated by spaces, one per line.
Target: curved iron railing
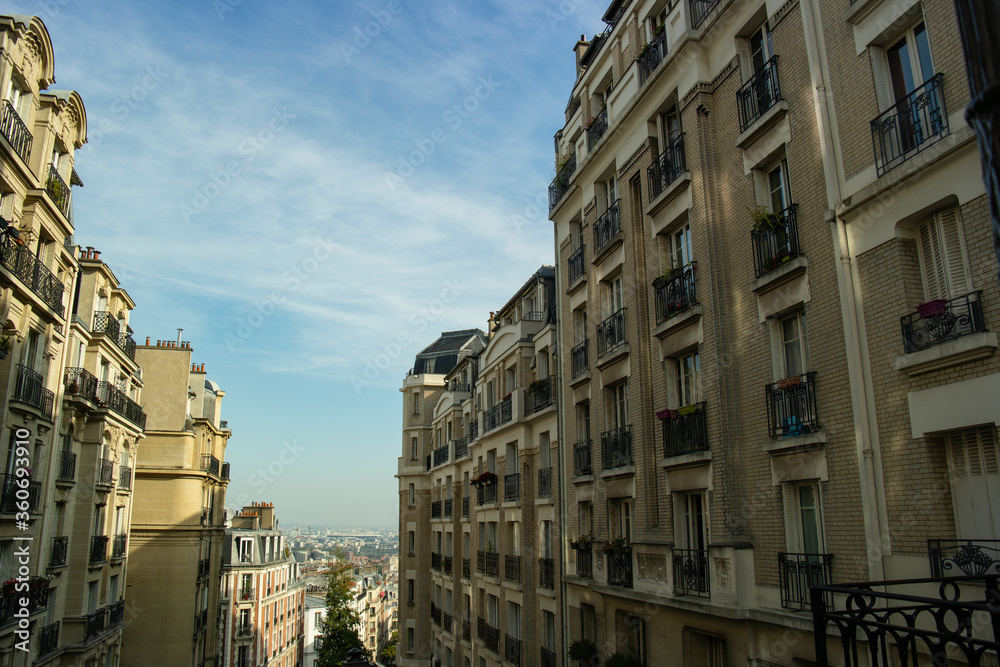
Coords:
pixel 560 184
pixel 691 572
pixel 30 388
pixel 597 128
pixel 791 406
pixel 579 357
pixel 686 433
pixel 797 573
pixel 582 458
pixel 943 320
pixel 498 414
pixel 611 333
pixel 699 10
pixel 964 557
pixel 58 190
pixel 575 265
pixel 669 165
pixel 653 54
pixel 620 566
pixel 910 126
pixel 15 131
pixel 616 447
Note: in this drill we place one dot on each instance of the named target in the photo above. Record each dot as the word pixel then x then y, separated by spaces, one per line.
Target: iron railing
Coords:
pixel 651 57
pixel 775 243
pixel 481 561
pixel 492 638
pixel 224 473
pixel 699 10
pixel 116 614
pixel 446 621
pixel 512 568
pixel 119 548
pixel 30 388
pixel 910 126
pixel 80 382
pixel 486 492
pixel 974 558
pixel 575 265
pixel 548 657
pixel 691 572
pixel 204 568
pixel 105 323
pixel 466 568
pixel 20 494
pixel 611 333
pixel 616 447
pixel 546 573
pixel 96 623
pixel 435 561
pixel 15 131
pixel 446 563
pixel 585 562
pixel 498 414
pixel 669 165
pixel 512 487
pixel 512 649
pixel 436 509
pixel 24 264
pixel 49 640
pixel 791 406
pixel 582 458
pixel 620 566
pixel 125 478
pixel 539 395
pixel 467 630
pixel 58 190
pixel 441 455
pixel 597 127
pixel 797 573
pixel 492 564
pixel 67 466
pixel 245 631
pixel 448 504
pixel 545 482
pixel 436 614
pixel 943 320
pixel 110 396
pixel 105 472
pixel 246 593
pixel 674 292
pixel 37 596
pixel 462 447
pixel 210 464
pixel 685 433
pixel 99 549
pixel 60 547
pixel 580 361
pixel 560 184
pixel 758 94
pixel 607 227
pixel 465 506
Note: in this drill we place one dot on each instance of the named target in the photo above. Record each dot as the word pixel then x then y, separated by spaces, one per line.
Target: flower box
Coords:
pixel 932 308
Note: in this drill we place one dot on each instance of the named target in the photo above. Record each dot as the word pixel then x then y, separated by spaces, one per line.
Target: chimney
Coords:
pixel 580 48
pixel 147 341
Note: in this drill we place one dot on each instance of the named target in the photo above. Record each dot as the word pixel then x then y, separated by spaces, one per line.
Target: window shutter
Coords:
pixel 792 542
pixel 930 260
pixel 959 280
pixel 718 652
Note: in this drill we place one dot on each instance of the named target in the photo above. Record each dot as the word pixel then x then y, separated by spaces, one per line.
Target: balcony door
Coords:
pixel 909 62
pixel 693 527
pixel 974 465
pixel 618 406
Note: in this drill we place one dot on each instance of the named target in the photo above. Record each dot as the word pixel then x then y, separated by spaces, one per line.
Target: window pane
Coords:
pixel 809 512
pixel 923 52
pixel 900 71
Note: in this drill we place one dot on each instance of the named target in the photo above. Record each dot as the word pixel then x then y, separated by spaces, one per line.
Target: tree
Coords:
pixel 341 622
pixel 388 654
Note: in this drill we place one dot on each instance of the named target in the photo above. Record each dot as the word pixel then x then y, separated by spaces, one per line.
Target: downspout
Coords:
pixel 561 449
pixel 876 534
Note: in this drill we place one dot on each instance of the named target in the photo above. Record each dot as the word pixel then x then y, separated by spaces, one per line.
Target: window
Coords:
pixel 416 403
pixel 692 530
pixel 974 464
pixel 909 62
pixel 669 125
pixel 409 591
pixel 410 538
pixel 588 622
pixel 795 352
pixel 549 625
pixel 779 194
pixel 409 639
pixel 618 406
pixel 611 297
pixel 620 510
pixel 761 50
pixel 493 610
pixel 689 379
pixel 514 620
pixel 586 515
pixel 583 422
pixel 943 264
pixel 414 449
pixel 20 98
pixel 680 248
pixel 545 540
pixel 579 325
pixel 631 635
pixel 413 496
pixel 803 518
pixel 610 189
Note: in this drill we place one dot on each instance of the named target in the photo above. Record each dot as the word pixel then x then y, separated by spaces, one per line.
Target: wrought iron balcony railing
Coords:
pixel 758 94
pixel 105 323
pixel 582 458
pixel 560 183
pixel 29 388
pixel 58 190
pixel 210 464
pixel 512 568
pixel 246 593
pixel 466 568
pixel 105 472
pixel 465 506
pixel 49 640
pixel 99 549
pixel 699 10
pixel 691 572
pixel 492 638
pixel 943 320
pixel 545 482
pixel 96 623
pixel 116 614
pixel 492 564
pixel 674 292
pixel 487 492
pixel 481 561
pixel 546 573
pixel 435 561
pixel 616 447
pixel 585 563
pixel 548 658
pixel 204 568
pixel 125 478
pixel 776 242
pixel 512 487
pixel 607 227
pixel 245 631
pixel 597 127
pixel 575 266
pixel 224 473
pixel 685 431
pixel 974 558
pixel 109 396
pixel 611 334
pixel 441 455
pixel 669 165
pixel 512 649
pixel 15 131
pixel 446 563
pixel 23 263
pixel 448 504
pixel 60 547
pixel 797 572
pixel 498 414
pixel 119 548
pixel 580 362
pixel 539 395
pixel 67 466
pixel 620 566
pixel 436 614
pixel 791 406
pixel 651 57
pixel 37 596
pixel 20 494
pixel 446 621
pixel 436 509
pixel 467 630
pixel 462 447
pixel 912 125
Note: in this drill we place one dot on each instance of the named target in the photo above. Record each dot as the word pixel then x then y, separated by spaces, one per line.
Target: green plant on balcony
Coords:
pixel 764 220
pixel 56 189
pixel 582 542
pixel 584 651
pixel 615 544
pixel 593 119
pixel 640 54
pixel 659 30
pixel 537 386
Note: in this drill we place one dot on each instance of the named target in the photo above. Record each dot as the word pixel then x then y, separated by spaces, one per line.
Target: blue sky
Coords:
pixel 313 191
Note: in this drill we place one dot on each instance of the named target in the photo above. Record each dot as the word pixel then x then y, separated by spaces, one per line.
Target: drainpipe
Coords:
pixel 869 468
pixel 562 455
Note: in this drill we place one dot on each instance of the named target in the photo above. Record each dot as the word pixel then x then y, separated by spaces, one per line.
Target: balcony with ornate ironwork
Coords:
pixel 60 547
pixel 30 270
pixel 597 127
pixel 37 596
pixel 585 562
pixel 486 492
pixel 224 473
pixel 492 560
pixel 512 487
pixel 116 614
pixel 210 464
pixel 546 573
pixel 619 560
pixel 579 357
pixel 109 396
pixel 481 561
pixel 245 631
pixel 611 334
pixel 441 455
pixel 913 124
pixel 11 501
pixel 106 324
pixel 446 564
pixel 668 167
pixel 560 184
pixel 436 509
pixel 466 568
pixel 67 467
pixel 467 630
pixel 539 395
pixel 651 55
pixel 758 94
pixel 607 227
pixel 575 266
pixel 791 406
pixel 29 388
pixel 96 623
pixel 58 190
pixel 448 504
pixel 674 292
pixel 124 478
pixel 204 569
pixel 775 240
pixel 446 620
pixel 119 548
pixel 582 458
pixel 512 650
pixel 545 482
pixel 616 447
pixel 685 430
pixel 957 558
pixel 105 472
pixel 512 568
pixel 49 640
pixel 462 447
pixel 99 549
pixel 498 414
pixel 691 572
pixel 548 657
pixel 797 572
pixel 15 131
pixel 943 320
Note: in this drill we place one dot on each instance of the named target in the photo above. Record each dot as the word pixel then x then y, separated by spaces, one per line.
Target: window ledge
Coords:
pixel 615 241
pixel 685 460
pixel 668 193
pixel 580 379
pixel 623 471
pixel 860 10
pixel 758 127
pixel 809 441
pixel 954 352
pixel 677 322
pixel 576 284
pixel 612 357
pixel 584 479
pixel 780 275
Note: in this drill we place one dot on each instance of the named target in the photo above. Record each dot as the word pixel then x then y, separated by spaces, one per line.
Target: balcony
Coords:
pixel 13 495
pixel 37 595
pixel 579 358
pixel 912 125
pixel 206 520
pixel 585 562
pixel 210 464
pixel 512 649
pixel 611 334
pixel 116 614
pixel 105 473
pixel 60 546
pixel 582 459
pixel 512 487
pixel 539 395
pixel 466 568
pixel 204 569
pixel 492 562
pixel 467 630
pixel 481 562
pixel 669 165
pixel 616 447
pixel 486 492
pixel 99 549
pixel 30 388
pixel 758 94
pixel 575 265
pixel 560 184
pixel 67 467
pixel 462 447
pixel 105 323
pixel 546 573
pixel 109 396
pixel 436 614
pixel 436 509
pixel 685 431
pixel 446 620
pixel 674 292
pixel 441 455
pixel 942 320
pixel 436 561
pixel 548 657
pixel 691 572
pixel 465 506
pixel 491 636
pixel 245 631
pixel 596 127
pixel 797 572
pixel 58 190
pixel 96 623
pixel 651 56
pixel 497 415
pixel 15 131
pixel 125 478
pixel 619 566
pixel 957 558
pixel 49 640
pixel 224 474
pixel 119 548
pixel 512 568
pixel 446 563
pixel 448 504
pixel 29 269
pixel 545 483
pixel 699 10
pixel 775 240
pixel 791 406
pixel 607 227
pixel 246 594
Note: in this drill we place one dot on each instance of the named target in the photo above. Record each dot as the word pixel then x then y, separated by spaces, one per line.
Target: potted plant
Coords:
pixel 537 385
pixel 932 308
pixel 483 479
pixel 584 652
pixel 582 542
pixel 642 52
pixel 687 410
pixel 614 544
pixel 764 220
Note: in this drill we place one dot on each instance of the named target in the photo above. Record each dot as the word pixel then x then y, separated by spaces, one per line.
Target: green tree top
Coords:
pixel 341 622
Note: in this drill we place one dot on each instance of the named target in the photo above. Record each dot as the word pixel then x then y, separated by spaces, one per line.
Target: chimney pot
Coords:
pixel 147 341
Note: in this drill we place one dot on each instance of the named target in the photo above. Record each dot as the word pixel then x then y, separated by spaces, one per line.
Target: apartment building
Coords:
pixel 315 610
pixel 753 201
pixel 369 603
pixel 263 600
pixel 178 512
